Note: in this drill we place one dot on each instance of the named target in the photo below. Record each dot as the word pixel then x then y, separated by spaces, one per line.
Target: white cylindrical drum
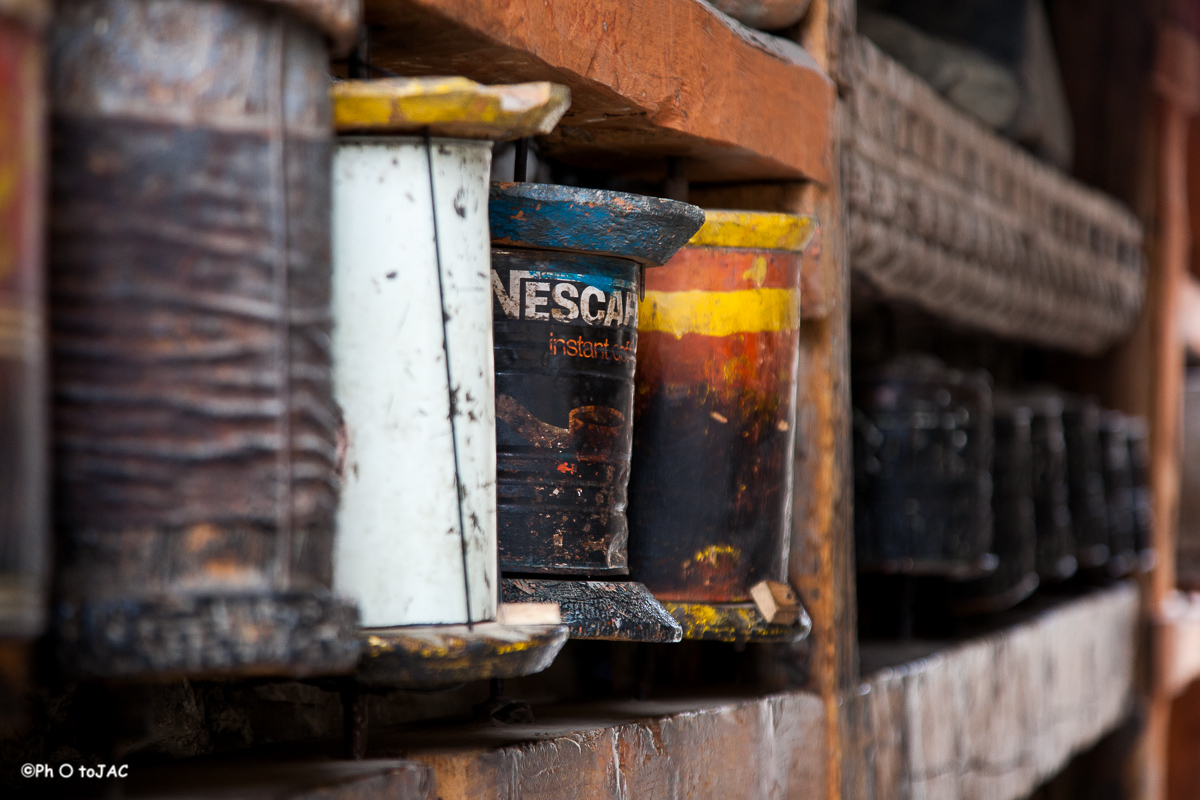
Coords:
pixel 414 546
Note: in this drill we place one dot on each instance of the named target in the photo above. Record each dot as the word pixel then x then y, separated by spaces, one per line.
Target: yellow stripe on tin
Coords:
pixel 453 107
pixel 720 313
pixel 754 229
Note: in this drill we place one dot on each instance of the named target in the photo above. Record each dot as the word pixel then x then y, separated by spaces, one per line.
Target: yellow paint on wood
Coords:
pixel 755 229
pixel 454 107
pixel 720 313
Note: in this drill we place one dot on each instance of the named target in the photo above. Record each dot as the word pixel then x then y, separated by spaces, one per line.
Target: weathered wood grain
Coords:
pixel 648 79
pixel 770 747
pixel 996 716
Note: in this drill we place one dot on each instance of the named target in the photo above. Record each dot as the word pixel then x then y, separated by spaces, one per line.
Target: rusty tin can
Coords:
pixel 194 422
pixel 565 289
pixel 24 543
pixel 715 410
pixel 1119 494
pixel 923 469
pixel 1015 540
pixel 1085 476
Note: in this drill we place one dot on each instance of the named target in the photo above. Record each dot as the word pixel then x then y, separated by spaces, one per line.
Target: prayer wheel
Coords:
pixel 195 431
pixel 1085 476
pixel 1119 494
pixel 565 283
pixel 412 346
pixel 1143 510
pixel 1055 540
pixel 715 410
pixel 1015 540
pixel 24 530
pixel 923 469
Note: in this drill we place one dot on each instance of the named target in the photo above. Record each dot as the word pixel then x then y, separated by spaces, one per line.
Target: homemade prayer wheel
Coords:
pixel 1143 510
pixel 714 427
pixel 24 532
pixel 923 469
pixel 565 283
pixel 1085 478
pixel 414 378
pixel 195 430
pixel 1051 499
pixel 1015 539
pixel 1119 494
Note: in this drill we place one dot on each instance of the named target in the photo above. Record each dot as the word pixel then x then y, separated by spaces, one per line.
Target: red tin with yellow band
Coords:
pixel 715 410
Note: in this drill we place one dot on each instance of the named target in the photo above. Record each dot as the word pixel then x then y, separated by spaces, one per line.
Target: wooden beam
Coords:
pixel 649 79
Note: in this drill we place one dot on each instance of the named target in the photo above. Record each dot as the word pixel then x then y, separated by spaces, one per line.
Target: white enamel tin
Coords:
pixel 399 553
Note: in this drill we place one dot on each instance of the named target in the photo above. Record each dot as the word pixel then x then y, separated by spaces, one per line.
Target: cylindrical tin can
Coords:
pixel 1015 541
pixel 24 541
pixel 412 351
pixel 565 266
pixel 1118 491
pixel 1056 544
pixel 195 428
pixel 715 410
pixel 1143 509
pixel 923 469
pixel 1085 476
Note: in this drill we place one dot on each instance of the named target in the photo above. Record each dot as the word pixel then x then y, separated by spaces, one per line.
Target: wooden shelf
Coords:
pixel 649 79
pixel 997 715
pixel 992 716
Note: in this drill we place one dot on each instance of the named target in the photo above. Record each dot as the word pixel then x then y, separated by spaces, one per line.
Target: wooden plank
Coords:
pixel 996 716
pixel 770 747
pixel 649 79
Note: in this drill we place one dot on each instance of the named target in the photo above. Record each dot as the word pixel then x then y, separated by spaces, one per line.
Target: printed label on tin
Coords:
pixel 566 298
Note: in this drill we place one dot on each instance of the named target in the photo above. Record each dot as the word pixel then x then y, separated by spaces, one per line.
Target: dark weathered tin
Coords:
pixel 1085 476
pixel 714 421
pixel 1051 498
pixel 922 469
pixel 195 430
pixel 1118 491
pixel 1015 541
pixel 1143 510
pixel 565 307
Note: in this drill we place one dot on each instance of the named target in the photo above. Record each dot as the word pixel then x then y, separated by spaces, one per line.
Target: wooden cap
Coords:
pixel 453 107
pixel 755 229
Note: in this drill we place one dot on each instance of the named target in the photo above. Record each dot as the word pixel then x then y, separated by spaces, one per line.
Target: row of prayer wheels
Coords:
pixel 322 405
pixel 993 491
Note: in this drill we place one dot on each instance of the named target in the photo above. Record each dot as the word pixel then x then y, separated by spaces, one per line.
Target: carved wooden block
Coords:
pixel 947 216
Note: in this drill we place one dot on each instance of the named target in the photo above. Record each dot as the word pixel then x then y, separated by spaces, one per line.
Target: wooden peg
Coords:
pixel 776 602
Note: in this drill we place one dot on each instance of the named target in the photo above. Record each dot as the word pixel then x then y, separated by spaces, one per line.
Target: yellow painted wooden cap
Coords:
pixel 755 229
pixel 453 107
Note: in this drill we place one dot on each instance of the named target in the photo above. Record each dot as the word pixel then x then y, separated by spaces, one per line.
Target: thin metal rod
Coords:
pixel 437 250
pixel 521 161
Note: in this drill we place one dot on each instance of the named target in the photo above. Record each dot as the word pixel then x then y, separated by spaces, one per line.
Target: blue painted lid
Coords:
pixel 647 230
